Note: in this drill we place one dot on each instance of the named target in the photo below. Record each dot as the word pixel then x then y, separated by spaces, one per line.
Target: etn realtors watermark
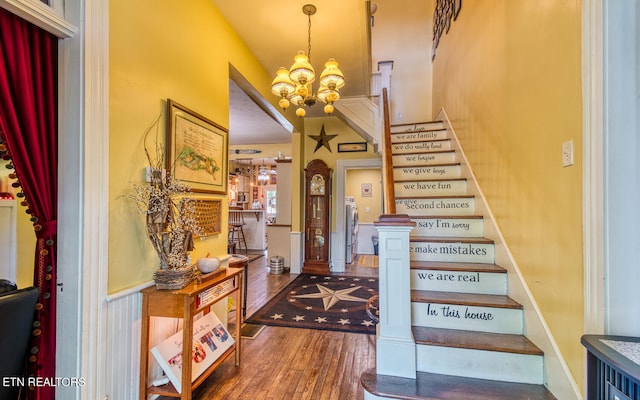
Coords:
pixel 41 381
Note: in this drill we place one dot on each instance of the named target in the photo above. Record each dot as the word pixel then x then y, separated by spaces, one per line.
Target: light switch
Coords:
pixel 567 153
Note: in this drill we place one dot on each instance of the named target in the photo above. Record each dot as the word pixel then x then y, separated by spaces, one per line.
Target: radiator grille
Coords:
pixel 615 385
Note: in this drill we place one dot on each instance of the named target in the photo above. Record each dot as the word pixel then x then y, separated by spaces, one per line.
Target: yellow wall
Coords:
pixel 332 126
pixel 509 75
pixel 160 50
pixel 369 208
pixel 402 33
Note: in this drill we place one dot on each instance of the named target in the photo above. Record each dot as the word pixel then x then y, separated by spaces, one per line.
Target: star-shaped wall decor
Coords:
pixel 322 139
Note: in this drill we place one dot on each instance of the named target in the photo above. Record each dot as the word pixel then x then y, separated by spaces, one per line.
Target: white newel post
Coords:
pixel 396 349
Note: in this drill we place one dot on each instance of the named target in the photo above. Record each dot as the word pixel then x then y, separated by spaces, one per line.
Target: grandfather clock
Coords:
pixel 317 217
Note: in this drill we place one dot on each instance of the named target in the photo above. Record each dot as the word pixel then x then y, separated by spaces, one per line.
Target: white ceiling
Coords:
pixel 274 32
pixel 249 124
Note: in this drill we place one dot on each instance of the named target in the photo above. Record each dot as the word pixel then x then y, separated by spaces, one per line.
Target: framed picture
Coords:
pixel 197 150
pixel 366 190
pixel 352 147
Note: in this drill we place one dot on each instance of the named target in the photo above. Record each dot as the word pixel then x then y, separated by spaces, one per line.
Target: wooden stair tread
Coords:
pixel 420 140
pixel 429 386
pixel 429 180
pixel 453 164
pixel 456 266
pixel 417 123
pixel 488 341
pixel 446 216
pixel 466 299
pixel 422 152
pixel 451 239
pixel 449 196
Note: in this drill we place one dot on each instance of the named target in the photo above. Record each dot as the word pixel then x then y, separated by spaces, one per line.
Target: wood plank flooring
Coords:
pixel 290 363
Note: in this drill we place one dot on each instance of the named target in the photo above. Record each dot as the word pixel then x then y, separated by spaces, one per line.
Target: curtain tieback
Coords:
pixel 46 229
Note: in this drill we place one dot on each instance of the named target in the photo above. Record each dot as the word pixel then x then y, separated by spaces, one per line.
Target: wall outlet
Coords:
pixel 567 153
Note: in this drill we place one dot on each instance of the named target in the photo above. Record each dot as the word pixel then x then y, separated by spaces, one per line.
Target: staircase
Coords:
pixel 468 332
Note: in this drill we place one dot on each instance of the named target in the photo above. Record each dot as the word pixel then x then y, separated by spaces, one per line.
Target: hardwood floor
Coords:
pixel 290 363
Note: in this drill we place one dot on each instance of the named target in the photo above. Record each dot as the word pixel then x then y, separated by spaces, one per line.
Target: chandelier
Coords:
pixel 263 175
pixel 294 85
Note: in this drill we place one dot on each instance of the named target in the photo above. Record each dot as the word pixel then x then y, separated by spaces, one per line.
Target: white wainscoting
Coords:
pixel 122 367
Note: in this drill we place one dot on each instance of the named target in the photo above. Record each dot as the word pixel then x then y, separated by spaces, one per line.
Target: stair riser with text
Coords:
pixel 459 281
pixel 416 159
pixel 431 188
pixel 470 318
pixel 462 206
pixel 456 227
pixel 426 172
pixel 421 127
pixel 419 147
pixel 408 137
pixel 452 252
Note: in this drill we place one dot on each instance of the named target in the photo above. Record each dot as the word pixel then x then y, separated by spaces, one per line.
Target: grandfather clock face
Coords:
pixel 317 185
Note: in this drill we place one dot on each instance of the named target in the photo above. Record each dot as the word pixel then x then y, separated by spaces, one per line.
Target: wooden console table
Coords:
pixel 185 303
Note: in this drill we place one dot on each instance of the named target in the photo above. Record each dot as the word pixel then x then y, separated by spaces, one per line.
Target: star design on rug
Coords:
pixel 298 318
pixel 276 316
pixel 320 320
pixel 344 322
pixel 322 139
pixel 331 297
pixel 367 323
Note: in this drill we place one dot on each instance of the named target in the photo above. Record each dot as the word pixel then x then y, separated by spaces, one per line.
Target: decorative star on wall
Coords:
pixel 322 139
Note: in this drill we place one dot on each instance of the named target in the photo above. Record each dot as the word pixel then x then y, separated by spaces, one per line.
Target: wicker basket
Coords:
pixel 175 278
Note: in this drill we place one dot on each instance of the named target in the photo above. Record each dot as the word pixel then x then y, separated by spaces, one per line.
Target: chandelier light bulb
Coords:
pixel 284 104
pixel 328 109
pixel 300 112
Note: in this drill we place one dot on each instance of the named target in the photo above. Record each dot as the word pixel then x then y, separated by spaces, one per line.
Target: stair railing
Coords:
pixel 387 166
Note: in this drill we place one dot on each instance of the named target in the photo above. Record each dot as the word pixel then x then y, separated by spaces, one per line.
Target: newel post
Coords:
pixel 395 349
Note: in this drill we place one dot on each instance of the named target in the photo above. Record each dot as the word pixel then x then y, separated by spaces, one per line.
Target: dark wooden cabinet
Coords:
pixel 317 218
pixel 612 369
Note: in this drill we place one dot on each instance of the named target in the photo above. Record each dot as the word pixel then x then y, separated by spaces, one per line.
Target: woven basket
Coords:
pixel 175 278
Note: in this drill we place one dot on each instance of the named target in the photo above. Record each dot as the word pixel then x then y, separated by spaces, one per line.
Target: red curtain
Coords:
pixel 28 127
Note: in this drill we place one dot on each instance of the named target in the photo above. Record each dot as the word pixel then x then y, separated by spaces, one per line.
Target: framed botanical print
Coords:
pixel 197 150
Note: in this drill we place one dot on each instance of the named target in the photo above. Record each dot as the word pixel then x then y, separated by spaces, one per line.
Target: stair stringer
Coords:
pixel 557 376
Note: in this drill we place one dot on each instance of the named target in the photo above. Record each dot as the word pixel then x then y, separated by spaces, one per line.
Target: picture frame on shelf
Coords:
pixel 197 150
pixel 352 147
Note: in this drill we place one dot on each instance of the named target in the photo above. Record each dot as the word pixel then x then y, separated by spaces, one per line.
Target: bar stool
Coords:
pixel 236 222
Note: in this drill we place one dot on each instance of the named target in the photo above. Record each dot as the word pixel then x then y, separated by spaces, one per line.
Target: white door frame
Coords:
pixel 338 245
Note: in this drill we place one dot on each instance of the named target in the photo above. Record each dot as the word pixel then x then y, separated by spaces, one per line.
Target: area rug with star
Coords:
pixel 325 302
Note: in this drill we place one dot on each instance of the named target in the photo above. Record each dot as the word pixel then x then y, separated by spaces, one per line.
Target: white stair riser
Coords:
pixel 401 160
pixel 452 252
pixel 457 227
pixel 416 136
pixel 481 364
pixel 431 188
pixel 450 206
pixel 469 318
pixel 426 126
pixel 436 145
pixel 459 281
pixel 427 172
